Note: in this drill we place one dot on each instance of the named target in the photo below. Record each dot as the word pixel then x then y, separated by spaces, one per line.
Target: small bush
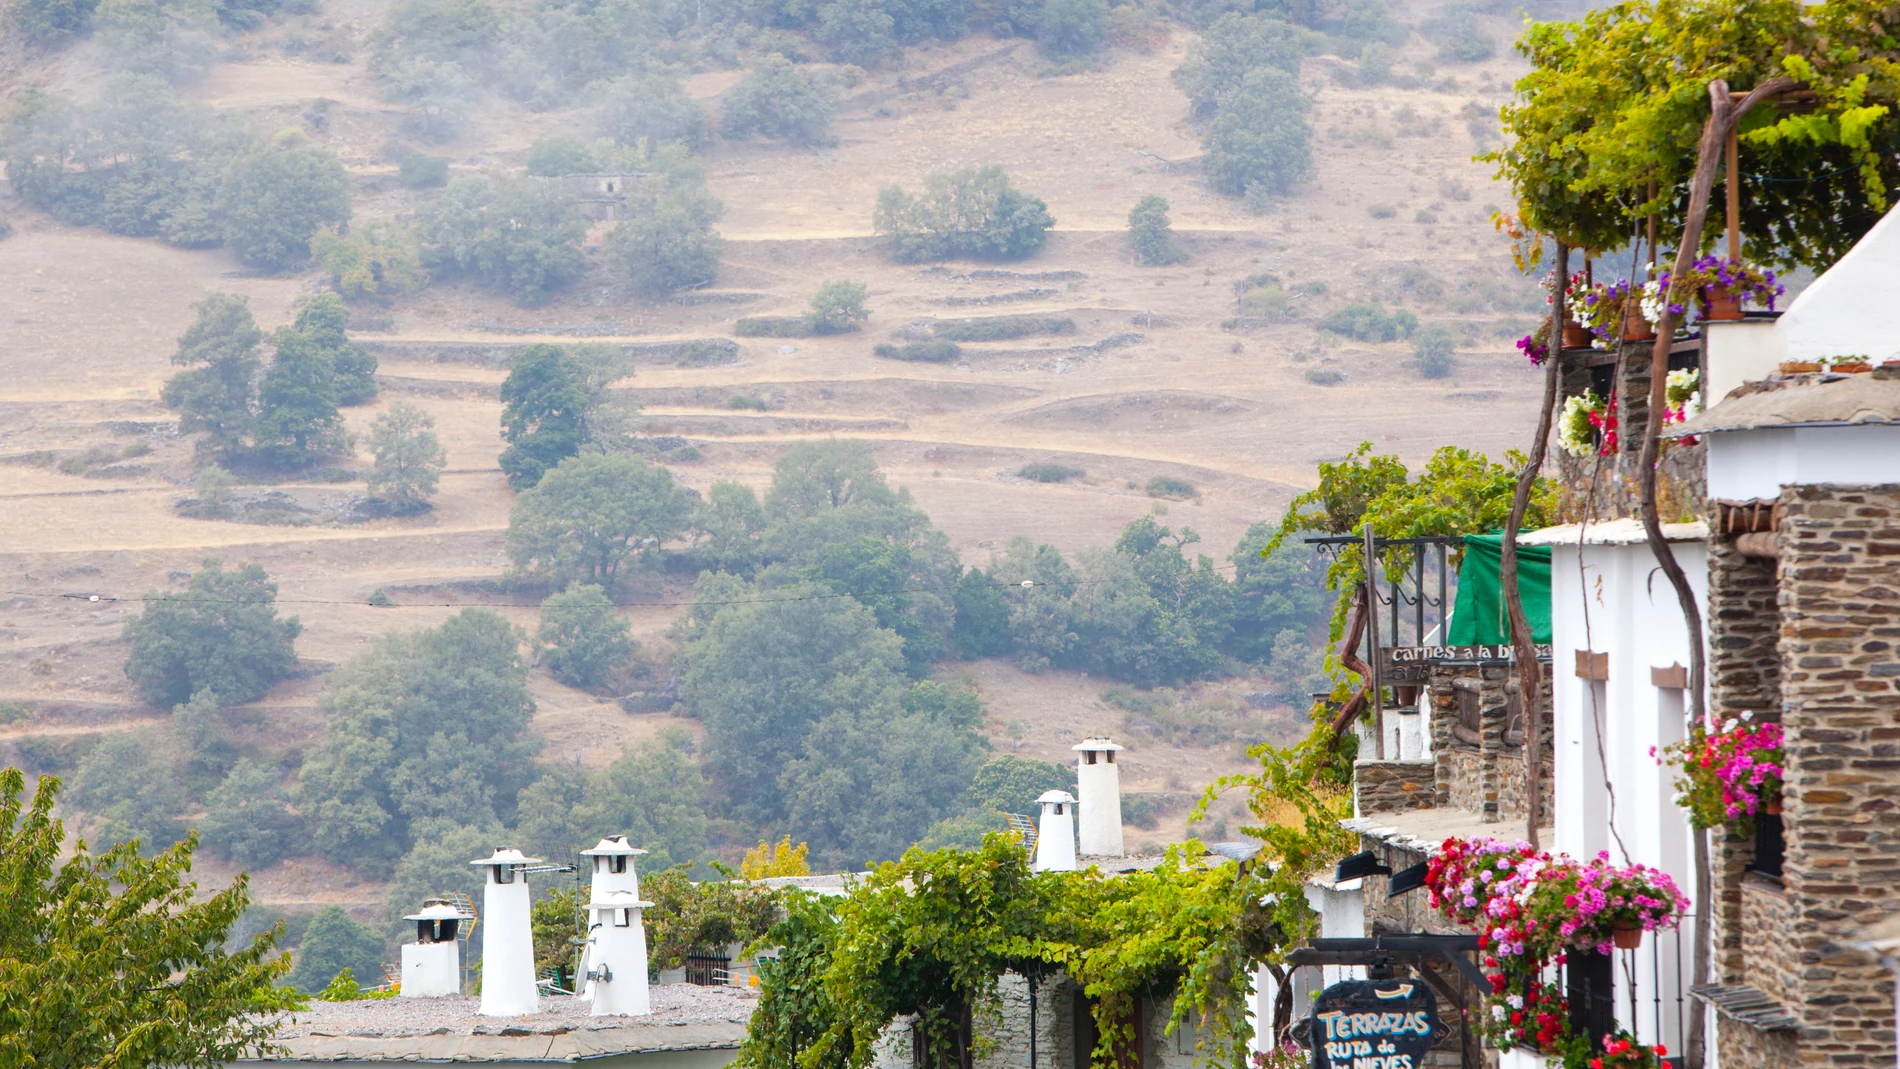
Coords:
pixel 1432 351
pixel 1459 37
pixel 418 170
pixel 1049 473
pixel 1002 328
pixel 1171 487
pixel 838 307
pixel 379 598
pixel 1382 211
pixel 935 351
pixel 1325 377
pixel 1369 321
pixel 771 327
pixel 746 402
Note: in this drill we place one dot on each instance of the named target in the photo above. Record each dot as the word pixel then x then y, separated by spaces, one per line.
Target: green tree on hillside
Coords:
pixel 666 241
pixel 522 238
pixel 582 637
pixel 332 943
pixel 369 258
pixel 653 793
pixel 543 415
pixel 297 420
pixel 1150 235
pixel 1233 45
pixel 273 198
pixel 124 944
pixel 781 101
pixel 429 724
pixel 1260 140
pixel 409 457
pixel 837 307
pixel 972 213
pixel 1067 29
pixel 730 523
pixel 221 633
pixel 647 107
pixel 246 819
pixel 51 24
pixel 214 395
pixel 590 516
pixel 323 323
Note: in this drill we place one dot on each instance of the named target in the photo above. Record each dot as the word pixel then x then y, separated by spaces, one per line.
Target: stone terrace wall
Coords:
pixel 1840 622
pixel 1392 786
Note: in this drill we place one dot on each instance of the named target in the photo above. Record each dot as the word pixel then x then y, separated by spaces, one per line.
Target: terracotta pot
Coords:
pixel 1636 328
pixel 1851 369
pixel 1772 806
pixel 1722 304
pixel 1626 938
pixel 1798 367
pixel 1407 694
pixel 1576 336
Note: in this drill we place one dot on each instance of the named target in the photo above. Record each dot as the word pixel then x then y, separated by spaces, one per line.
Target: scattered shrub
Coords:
pixel 419 170
pixel 745 401
pixel 1369 321
pixel 1002 328
pixel 1381 211
pixel 1325 377
pixel 771 327
pixel 935 351
pixel 1049 473
pixel 1432 351
pixel 1169 486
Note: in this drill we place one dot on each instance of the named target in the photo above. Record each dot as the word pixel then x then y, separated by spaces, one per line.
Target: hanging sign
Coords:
pixel 1374 1024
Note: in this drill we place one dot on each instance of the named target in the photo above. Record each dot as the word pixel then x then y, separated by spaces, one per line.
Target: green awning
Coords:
pixel 1478 617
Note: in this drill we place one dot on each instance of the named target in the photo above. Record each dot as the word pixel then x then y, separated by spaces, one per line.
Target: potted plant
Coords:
pixel 1721 287
pixel 1682 397
pixel 1730 774
pixel 1575 334
pixel 1536 345
pixel 1607 310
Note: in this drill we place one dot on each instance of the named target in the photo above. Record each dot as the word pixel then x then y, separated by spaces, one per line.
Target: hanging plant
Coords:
pixel 1536 345
pixel 1729 775
pixel 1531 910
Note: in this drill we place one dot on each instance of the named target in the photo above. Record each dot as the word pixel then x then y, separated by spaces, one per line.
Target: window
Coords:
pixel 617 864
pixel 1769 846
pixel 623 918
pixel 1088 757
pixel 503 873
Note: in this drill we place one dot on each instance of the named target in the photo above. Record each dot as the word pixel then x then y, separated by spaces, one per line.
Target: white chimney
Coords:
pixel 612 863
pixel 1055 833
pixel 507 936
pixel 617 955
pixel 432 965
pixel 1098 786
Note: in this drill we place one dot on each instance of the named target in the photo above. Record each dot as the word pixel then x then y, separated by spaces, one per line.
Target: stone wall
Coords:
pixel 1840 689
pixel 1489 778
pixel 1393 786
pixel 1006 1025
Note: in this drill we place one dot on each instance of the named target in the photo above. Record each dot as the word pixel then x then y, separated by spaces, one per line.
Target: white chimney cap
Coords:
pixel 436 910
pixel 1096 743
pixel 506 855
pixel 619 900
pixel 612 846
pixel 1056 796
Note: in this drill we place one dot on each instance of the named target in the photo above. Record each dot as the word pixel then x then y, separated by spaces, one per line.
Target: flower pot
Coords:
pixel 1626 937
pixel 1407 694
pixel 1636 328
pixel 1851 369
pixel 1722 304
pixel 1798 367
pixel 1772 806
pixel 1576 336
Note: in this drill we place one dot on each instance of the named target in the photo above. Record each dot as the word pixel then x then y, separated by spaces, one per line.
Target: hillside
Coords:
pixel 1153 380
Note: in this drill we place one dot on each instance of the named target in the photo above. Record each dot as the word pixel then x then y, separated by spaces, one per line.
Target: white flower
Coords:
pixel 1516 1001
pixel 1574 432
pixel 1652 302
pixel 1730 724
pixel 1497 1012
pixel 1748 715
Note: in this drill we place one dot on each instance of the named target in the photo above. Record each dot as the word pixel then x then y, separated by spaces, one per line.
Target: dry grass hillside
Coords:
pixel 1151 382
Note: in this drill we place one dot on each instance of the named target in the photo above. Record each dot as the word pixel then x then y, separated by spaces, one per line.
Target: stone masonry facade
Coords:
pixel 1485 776
pixel 1839 642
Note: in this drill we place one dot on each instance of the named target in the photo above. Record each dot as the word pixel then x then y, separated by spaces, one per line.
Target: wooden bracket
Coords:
pixel 1675 676
pixel 1593 665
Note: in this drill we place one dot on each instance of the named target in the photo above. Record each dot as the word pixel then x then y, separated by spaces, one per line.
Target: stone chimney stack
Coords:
pixel 1055 833
pixel 1098 786
pixel 617 955
pixel 507 936
pixel 432 965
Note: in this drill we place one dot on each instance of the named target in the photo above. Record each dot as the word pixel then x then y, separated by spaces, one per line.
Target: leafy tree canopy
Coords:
pixel 1616 102
pixel 592 515
pixel 653 794
pixel 1259 140
pixel 782 101
pixel 544 403
pixel 214 395
pixel 522 238
pixel 582 638
pixel 332 943
pixel 273 198
pixel 971 213
pixel 220 634
pixel 113 959
pixel 409 457
pixel 427 724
